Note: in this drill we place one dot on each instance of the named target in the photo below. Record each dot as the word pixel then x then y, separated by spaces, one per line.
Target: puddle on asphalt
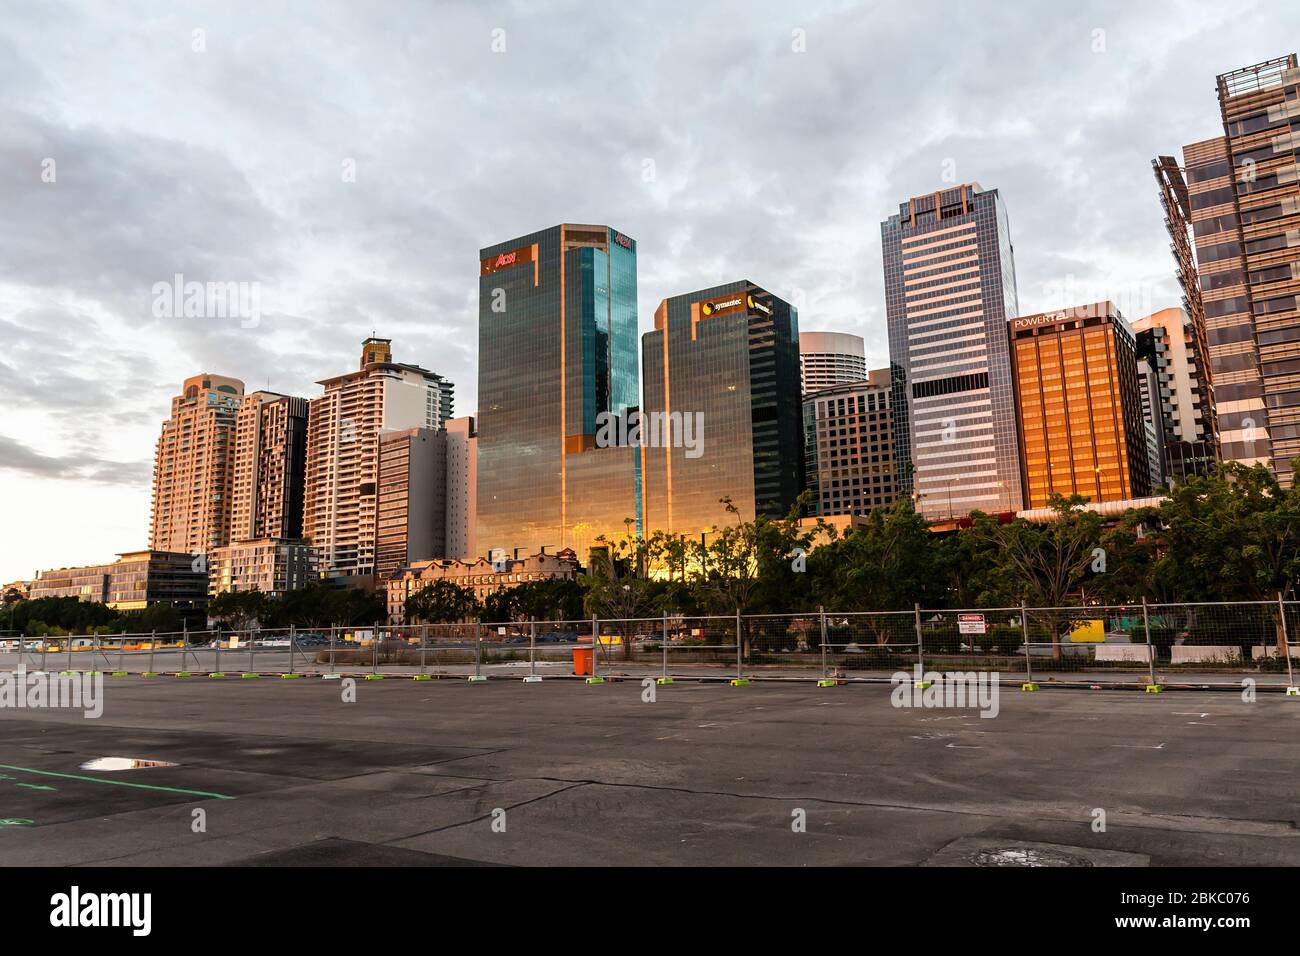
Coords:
pixel 123 763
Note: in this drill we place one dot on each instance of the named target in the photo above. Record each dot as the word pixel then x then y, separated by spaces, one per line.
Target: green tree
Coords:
pixel 549 599
pixel 240 610
pixel 442 602
pixel 751 567
pixel 1045 564
pixel 889 562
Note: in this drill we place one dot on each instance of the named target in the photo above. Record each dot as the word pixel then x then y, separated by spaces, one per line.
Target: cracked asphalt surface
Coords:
pixel 426 773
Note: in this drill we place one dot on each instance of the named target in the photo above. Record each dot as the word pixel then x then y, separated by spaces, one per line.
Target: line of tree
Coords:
pixel 1230 536
pixel 61 616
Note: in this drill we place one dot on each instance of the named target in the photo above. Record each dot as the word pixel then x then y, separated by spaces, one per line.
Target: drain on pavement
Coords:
pixel 1027 856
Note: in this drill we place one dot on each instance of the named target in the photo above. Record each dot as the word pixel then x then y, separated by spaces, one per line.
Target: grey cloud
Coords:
pixel 15 456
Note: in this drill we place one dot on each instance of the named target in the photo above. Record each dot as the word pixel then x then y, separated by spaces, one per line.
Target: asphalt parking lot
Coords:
pixel 446 772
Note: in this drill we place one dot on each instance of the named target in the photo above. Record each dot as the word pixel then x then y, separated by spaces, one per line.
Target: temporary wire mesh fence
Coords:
pixel 1146 642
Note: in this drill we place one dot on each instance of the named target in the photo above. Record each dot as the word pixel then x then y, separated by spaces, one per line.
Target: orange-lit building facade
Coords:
pixel 270 463
pixel 1081 426
pixel 194 467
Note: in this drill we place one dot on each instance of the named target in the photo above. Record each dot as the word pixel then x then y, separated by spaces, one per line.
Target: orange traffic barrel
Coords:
pixel 582 661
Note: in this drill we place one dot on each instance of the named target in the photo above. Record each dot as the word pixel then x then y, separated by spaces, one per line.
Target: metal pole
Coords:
pixel 121 652
pixel 248 636
pixel 1151 651
pixel 374 650
pixel 153 646
pixel 185 644
pixel 920 661
pixel 424 647
pixel 45 646
pixel 478 649
pixel 739 675
pixel 1024 635
pixel 664 642
pixel 532 648
pixel 334 633
pixel 821 611
pixel 293 643
pixel 595 643
pixel 218 664
pixel 1286 640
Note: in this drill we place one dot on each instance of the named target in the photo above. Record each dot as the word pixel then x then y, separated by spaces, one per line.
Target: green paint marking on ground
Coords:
pixel 35 786
pixel 15 822
pixel 116 783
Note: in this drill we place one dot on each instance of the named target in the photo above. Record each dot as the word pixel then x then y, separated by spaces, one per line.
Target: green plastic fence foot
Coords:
pixel 663 680
pixel 419 677
pixel 477 679
pixel 374 677
pixel 1029 685
pixel 149 674
pixel 249 676
pixel 532 679
pixel 740 682
pixel 595 680
pixel 94 674
pixel 1154 688
pixel 66 673
pixel 331 677
pixel 826 682
pixel 118 674
pixel 290 676
pixel 921 684
pixel 216 674
pixel 181 674
pixel 1293 691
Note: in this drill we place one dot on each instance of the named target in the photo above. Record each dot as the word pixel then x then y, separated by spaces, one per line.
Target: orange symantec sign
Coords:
pixel 506 260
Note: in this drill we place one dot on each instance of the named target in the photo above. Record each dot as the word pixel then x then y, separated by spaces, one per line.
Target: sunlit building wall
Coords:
pixel 726 358
pixel 1081 427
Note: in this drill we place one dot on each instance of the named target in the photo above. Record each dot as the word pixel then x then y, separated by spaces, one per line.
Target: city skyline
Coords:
pixel 90 365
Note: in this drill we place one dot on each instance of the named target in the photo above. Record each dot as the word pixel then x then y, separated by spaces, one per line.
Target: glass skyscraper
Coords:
pixel 728 359
pixel 557 354
pixel 950 286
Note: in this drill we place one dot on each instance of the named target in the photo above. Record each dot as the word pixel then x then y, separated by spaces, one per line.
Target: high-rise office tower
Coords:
pixel 849 446
pixel 462 488
pixel 722 414
pixel 411 518
pixel 1081 427
pixel 557 361
pixel 830 358
pixel 950 286
pixel 270 467
pixel 1182 407
pixel 1244 205
pixel 343 452
pixel 193 467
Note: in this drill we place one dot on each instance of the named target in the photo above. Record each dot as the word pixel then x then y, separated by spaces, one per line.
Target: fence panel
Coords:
pixel 869 644
pixel 1174 642
pixel 990 640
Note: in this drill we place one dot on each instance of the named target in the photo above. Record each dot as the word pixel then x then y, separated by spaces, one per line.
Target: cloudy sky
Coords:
pixel 351 158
